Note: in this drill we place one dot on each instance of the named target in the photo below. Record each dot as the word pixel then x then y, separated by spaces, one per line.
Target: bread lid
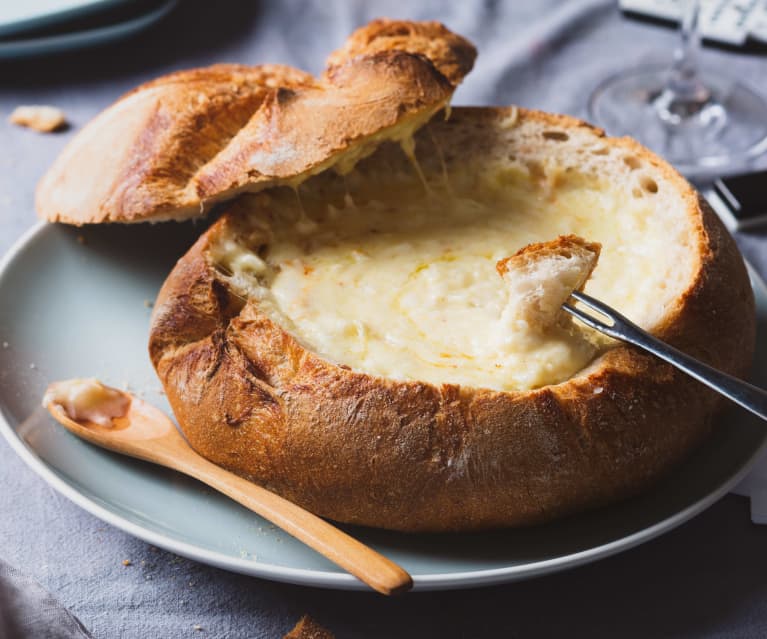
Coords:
pixel 173 147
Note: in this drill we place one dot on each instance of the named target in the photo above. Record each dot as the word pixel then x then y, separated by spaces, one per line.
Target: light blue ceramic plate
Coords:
pixel 43 45
pixel 16 15
pixel 72 309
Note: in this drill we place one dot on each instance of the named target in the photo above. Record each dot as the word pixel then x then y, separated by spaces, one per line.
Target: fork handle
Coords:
pixel 747 395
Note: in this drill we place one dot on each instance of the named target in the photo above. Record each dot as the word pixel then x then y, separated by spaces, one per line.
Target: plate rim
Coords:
pixel 37 19
pixel 30 47
pixel 343 580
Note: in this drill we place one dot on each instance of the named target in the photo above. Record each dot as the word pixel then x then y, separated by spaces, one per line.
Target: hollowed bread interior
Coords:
pixel 391 269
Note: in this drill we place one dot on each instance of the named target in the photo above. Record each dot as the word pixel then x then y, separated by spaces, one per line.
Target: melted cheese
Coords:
pixel 88 400
pixel 406 287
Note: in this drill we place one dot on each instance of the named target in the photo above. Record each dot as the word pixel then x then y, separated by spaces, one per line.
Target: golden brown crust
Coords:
pixel 452 55
pixel 562 245
pixel 278 146
pixel 308 628
pixel 414 456
pixel 172 147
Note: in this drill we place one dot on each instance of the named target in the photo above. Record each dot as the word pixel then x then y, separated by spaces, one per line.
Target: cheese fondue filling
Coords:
pixel 403 284
pixel 88 400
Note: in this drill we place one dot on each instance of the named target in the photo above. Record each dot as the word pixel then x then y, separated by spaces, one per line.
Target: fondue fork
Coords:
pixel 747 395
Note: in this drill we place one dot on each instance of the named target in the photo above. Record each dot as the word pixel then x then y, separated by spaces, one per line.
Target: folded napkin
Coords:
pixel 28 610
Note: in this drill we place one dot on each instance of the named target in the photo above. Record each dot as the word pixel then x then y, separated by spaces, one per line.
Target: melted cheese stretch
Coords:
pixel 408 289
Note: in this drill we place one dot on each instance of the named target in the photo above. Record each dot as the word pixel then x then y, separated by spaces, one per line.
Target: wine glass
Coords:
pixel 702 122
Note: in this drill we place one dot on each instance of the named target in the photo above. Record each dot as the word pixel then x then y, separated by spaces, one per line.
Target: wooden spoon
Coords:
pixel 143 431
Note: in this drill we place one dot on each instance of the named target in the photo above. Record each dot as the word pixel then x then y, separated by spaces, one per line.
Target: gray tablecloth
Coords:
pixel 706 579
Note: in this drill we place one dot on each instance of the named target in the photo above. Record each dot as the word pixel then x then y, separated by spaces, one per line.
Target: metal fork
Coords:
pixel 742 393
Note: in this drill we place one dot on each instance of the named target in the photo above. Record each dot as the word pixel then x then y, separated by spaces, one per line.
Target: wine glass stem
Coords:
pixel 684 94
pixel 683 78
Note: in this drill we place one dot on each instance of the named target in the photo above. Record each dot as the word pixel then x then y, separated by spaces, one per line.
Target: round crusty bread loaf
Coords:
pixel 331 432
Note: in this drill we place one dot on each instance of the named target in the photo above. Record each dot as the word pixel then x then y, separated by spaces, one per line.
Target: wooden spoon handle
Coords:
pixel 363 562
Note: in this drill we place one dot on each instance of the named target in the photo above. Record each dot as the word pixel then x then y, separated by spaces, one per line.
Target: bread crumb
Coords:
pixel 127 562
pixel 6 344
pixel 44 119
pixel 148 303
pixel 197 627
pixel 308 628
pixel 32 366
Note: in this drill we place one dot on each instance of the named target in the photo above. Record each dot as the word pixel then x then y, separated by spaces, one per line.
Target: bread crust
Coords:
pixel 561 245
pixel 176 145
pixel 414 456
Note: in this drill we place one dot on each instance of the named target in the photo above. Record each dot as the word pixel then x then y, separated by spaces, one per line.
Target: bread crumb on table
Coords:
pixel 308 628
pixel 127 562
pixel 44 119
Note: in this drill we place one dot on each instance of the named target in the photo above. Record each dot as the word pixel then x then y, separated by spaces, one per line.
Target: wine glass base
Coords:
pixel 720 134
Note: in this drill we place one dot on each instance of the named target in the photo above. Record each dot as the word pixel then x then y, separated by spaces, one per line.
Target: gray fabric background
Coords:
pixel 28 610
pixel 706 579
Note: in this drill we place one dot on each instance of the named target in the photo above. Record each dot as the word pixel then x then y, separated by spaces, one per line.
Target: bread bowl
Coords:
pixel 344 333
pixel 266 379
